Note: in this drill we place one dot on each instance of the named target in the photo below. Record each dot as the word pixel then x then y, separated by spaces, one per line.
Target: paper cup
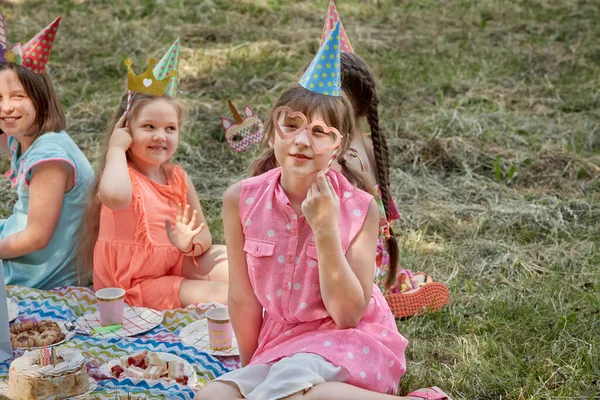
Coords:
pixel 110 305
pixel 220 331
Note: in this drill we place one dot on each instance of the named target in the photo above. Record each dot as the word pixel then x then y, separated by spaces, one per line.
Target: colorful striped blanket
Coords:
pixel 69 303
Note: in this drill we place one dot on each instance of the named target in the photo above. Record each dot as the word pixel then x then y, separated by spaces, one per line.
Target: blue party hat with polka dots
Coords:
pixel 323 73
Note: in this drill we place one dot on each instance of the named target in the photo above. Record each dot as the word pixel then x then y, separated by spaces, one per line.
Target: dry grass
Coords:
pixel 492 110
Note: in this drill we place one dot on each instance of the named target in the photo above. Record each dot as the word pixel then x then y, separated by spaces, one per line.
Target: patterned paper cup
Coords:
pixel 110 305
pixel 220 331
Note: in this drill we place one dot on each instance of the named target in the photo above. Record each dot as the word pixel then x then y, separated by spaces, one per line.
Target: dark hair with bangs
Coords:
pixel 337 112
pixel 49 114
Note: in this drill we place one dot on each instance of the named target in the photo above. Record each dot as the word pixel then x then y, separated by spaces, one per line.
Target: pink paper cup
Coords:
pixel 110 305
pixel 220 331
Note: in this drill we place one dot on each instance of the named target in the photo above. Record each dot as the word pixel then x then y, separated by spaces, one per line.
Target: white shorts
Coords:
pixel 287 376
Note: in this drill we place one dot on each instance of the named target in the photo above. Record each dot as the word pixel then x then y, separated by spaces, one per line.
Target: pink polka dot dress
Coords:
pixel 284 272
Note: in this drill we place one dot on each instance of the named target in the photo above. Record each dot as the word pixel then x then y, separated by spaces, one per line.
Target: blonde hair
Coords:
pixel 91 220
pixel 337 112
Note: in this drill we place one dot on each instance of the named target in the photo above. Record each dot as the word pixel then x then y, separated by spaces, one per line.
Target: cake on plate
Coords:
pixel 43 374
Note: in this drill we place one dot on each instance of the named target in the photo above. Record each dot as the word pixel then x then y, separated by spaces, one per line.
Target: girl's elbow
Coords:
pixel 240 302
pixel 236 300
pixel 347 315
pixel 115 201
pixel 39 242
pixel 345 318
pixel 347 321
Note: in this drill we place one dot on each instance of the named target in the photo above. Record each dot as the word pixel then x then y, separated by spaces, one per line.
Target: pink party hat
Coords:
pixel 330 21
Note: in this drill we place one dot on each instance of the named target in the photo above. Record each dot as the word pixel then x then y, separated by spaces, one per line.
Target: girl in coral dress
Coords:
pixel 145 229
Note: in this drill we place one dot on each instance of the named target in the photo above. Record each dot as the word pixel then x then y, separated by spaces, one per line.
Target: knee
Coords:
pixel 218 390
pixel 219 247
pixel 209 392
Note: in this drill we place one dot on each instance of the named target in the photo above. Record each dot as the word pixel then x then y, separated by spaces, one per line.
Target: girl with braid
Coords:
pixel 407 293
pixel 301 243
pixel 369 153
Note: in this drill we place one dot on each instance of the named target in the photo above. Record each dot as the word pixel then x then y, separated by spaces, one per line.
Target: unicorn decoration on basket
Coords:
pixel 244 131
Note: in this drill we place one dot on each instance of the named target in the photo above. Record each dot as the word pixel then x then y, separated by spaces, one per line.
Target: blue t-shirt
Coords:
pixel 55 265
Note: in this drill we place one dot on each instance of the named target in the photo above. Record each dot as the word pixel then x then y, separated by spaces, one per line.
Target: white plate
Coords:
pixel 13 309
pixel 136 320
pixel 196 335
pixel 63 329
pixel 188 369
pixel 92 386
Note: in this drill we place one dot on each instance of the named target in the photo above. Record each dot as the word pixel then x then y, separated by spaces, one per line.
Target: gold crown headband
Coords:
pixel 147 82
pixel 158 79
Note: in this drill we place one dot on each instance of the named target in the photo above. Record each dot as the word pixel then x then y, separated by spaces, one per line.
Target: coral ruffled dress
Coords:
pixel 133 250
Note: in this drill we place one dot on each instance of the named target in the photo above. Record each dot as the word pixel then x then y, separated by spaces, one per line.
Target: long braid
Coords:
pixel 381 159
pixel 373 120
pixel 359 83
pixel 380 149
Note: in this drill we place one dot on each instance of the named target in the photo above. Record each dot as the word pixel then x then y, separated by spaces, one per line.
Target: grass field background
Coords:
pixel 492 113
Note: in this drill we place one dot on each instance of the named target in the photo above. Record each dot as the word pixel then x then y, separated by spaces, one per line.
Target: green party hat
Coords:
pixel 168 63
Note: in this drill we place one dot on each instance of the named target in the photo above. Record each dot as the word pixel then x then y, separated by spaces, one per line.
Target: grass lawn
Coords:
pixel 492 112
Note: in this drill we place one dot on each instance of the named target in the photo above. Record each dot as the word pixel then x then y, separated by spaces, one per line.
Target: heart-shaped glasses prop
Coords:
pixel 289 123
pixel 244 131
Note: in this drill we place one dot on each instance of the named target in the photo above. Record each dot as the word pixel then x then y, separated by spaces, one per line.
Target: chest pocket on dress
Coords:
pixel 257 256
pixel 311 254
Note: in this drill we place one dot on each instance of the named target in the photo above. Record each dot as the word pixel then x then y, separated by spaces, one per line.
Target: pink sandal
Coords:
pixel 438 395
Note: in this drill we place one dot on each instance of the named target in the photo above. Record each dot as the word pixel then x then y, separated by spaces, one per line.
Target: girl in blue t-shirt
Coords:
pixel 38 242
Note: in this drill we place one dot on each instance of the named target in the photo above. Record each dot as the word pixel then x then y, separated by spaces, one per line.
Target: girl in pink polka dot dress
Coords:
pixel 301 245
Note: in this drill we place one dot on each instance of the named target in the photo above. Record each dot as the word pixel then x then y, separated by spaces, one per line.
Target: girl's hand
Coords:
pixel 322 206
pixel 121 136
pixel 183 233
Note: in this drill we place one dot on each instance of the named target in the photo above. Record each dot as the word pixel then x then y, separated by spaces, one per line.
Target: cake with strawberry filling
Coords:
pixel 30 377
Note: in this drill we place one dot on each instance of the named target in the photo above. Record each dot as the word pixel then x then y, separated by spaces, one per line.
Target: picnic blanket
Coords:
pixel 69 303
